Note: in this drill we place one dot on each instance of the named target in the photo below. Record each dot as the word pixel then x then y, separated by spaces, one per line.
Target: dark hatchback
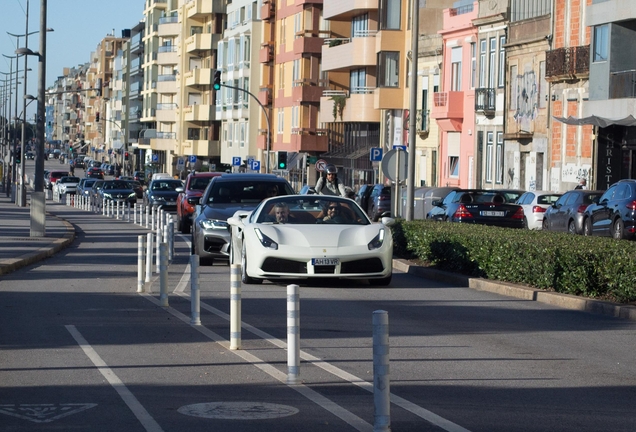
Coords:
pixel 567 213
pixel 614 213
pixel 483 207
pixel 164 193
pixel 118 190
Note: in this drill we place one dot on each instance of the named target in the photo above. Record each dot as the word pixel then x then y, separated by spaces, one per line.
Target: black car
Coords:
pixel 567 213
pixel 118 190
pixel 140 176
pixel 614 213
pixel 478 206
pixel 379 202
pixel 362 197
pixel 164 193
pixel 225 195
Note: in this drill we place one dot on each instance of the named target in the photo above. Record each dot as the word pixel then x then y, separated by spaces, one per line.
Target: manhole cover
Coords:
pixel 238 410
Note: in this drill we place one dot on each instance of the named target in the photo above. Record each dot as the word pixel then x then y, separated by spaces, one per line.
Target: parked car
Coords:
pixel 379 202
pixel 117 190
pixel 29 155
pixel 84 186
pixel 567 213
pixel 311 245
pixel 225 195
pixel 362 197
pixel 53 176
pixel 163 192
pixel 423 198
pixel 195 184
pixel 66 185
pixel 614 213
pixel 478 206
pixel 535 204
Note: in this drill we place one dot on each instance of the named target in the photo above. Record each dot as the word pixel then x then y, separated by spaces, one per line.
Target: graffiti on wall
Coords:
pixel 526 94
pixel 573 173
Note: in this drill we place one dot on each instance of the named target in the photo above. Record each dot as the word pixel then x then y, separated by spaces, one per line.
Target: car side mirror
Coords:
pixel 436 203
pixel 179 189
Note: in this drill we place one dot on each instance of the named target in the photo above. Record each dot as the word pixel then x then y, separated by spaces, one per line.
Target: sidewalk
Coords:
pixel 17 248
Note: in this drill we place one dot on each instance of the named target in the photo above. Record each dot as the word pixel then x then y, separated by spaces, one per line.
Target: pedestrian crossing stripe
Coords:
pixel 44 413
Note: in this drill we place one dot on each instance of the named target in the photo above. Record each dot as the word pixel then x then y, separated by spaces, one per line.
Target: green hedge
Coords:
pixel 589 266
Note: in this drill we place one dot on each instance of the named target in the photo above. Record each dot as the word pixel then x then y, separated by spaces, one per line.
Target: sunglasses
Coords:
pixel 331 174
pixel 333 208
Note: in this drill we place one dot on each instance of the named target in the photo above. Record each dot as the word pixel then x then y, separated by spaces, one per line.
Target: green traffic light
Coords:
pixel 217 86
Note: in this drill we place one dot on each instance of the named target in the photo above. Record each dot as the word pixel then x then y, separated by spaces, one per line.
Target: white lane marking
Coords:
pixel 129 399
pixel 346 416
pixel 44 413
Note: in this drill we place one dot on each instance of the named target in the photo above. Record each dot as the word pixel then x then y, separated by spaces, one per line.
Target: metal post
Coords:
pixel 170 238
pixel 163 275
pixel 149 250
pixel 235 306
pixel 381 378
pixel 141 252
pixel 135 214
pixel 293 334
pixel 195 293
pixel 147 215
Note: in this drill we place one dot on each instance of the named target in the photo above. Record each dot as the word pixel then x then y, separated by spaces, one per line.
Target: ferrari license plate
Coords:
pixel 325 261
pixel 493 213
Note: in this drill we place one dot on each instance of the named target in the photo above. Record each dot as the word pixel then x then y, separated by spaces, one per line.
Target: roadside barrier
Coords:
pixel 141 253
pixel 235 306
pixel 195 294
pixel 293 334
pixel 381 380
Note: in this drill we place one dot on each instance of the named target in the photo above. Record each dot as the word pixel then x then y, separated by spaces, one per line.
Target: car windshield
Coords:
pixel 251 191
pixel 112 185
pixel 547 199
pixel 311 210
pixel 165 185
pixel 199 183
pixel 69 180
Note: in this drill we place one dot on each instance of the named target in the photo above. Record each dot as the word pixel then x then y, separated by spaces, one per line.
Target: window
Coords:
pixel 295 116
pixel 296 73
pixel 388 64
pixel 489 150
pixel 492 63
pixel 424 125
pixel 543 86
pixel 357 80
pixel 499 162
pixel 390 12
pixel 514 89
pixel 230 134
pixel 281 120
pixel 601 42
pixel 453 166
pixel 242 134
pixel 360 25
pixel 473 64
pixel 482 63
pixel 456 69
pixel 502 61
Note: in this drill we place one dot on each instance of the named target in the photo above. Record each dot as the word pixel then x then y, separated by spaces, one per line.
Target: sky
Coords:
pixel 78 26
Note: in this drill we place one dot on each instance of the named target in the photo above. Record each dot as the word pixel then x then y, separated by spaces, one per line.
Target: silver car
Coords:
pixel 224 196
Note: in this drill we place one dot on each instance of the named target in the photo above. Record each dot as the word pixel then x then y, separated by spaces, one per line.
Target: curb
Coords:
pixel 565 301
pixel 12 264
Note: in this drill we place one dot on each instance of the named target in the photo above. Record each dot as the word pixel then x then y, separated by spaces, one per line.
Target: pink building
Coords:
pixel 454 105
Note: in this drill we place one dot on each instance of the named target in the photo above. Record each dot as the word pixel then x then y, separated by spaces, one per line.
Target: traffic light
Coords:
pixel 126 156
pixel 97 117
pixel 217 80
pixel 282 160
pixel 98 87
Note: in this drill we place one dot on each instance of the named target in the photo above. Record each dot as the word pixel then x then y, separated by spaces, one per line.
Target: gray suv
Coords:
pixel 225 195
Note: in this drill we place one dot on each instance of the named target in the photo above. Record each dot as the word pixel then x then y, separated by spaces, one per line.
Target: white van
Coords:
pixel 158 176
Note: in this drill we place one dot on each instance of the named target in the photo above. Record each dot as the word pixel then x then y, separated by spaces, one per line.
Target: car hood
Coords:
pixel 117 191
pixel 325 236
pixel 224 211
pixel 163 194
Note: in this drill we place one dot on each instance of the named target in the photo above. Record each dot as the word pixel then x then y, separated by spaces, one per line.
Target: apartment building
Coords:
pixel 454 104
pixel 65 108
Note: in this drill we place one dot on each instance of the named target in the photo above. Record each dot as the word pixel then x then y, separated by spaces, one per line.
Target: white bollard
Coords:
pixel 128 211
pixel 170 238
pixel 158 238
pixel 154 216
pixel 195 294
pixel 293 334
pixel 149 249
pixel 117 210
pixel 147 216
pixel 235 306
pixel 381 377
pixel 135 214
pixel 163 275
pixel 141 253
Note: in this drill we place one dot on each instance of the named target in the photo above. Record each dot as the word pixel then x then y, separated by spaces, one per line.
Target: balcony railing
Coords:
pixel 166 106
pixel 461 10
pixel 166 135
pixel 568 62
pixel 167 77
pixel 167 48
pixel 484 100
pixel 622 84
pixel 422 122
pixel 170 19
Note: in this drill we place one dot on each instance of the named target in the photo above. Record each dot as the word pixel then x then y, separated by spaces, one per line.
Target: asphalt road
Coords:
pixel 83 351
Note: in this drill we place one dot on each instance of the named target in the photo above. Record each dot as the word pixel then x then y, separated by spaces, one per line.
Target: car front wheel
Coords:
pixel 587 227
pixel 245 278
pixel 617 229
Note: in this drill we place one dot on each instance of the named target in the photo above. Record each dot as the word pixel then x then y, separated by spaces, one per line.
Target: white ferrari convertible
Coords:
pixel 311 236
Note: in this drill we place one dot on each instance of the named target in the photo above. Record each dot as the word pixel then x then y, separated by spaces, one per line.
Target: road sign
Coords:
pixel 180 164
pixel 375 154
pixel 236 161
pixel 192 159
pixel 155 157
pixel 389 162
pixel 256 165
pixel 401 147
pixel 321 164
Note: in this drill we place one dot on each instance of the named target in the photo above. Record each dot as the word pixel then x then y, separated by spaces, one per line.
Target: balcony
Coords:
pixel 304 91
pixel 197 77
pixel 203 148
pixel 168 26
pixel 485 100
pixel 345 9
pixel 309 139
pixel 347 53
pixel 166 112
pixel 567 63
pixel 422 125
pixel 266 53
pixel 167 55
pixel 448 110
pixel 307 43
pixel 166 84
pixel 307 2
pixel 622 84
pixel 198 113
pixel 268 10
pixel 358 107
pixel 201 42
pixel 265 95
pixel 202 8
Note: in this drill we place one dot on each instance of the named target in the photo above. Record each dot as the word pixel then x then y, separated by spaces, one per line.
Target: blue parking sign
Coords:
pixel 236 161
pixel 192 159
pixel 155 157
pixel 256 165
pixel 375 154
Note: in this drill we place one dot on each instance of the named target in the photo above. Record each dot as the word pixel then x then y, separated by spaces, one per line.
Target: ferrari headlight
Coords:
pixel 213 224
pixel 265 241
pixel 377 241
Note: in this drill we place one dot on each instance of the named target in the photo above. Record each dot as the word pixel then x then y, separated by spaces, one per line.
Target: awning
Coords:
pixel 597 121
